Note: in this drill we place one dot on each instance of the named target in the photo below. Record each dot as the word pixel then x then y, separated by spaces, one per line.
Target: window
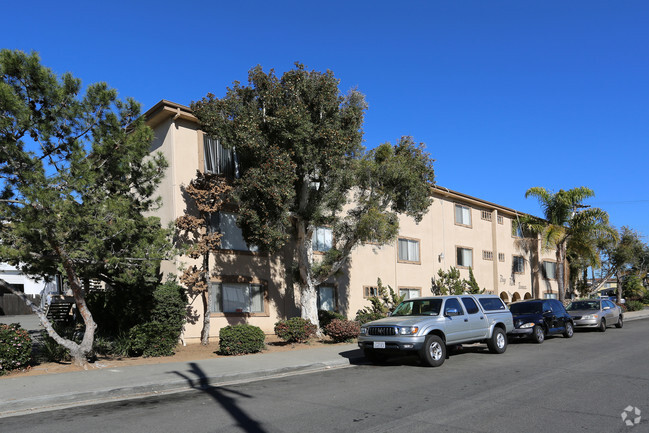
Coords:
pixel 470 305
pixel 549 270
pixel 462 215
pixel 408 250
pixel 485 215
pixel 237 298
pixel 370 291
pixel 453 303
pixel 517 230
pixel 492 304
pixel 550 296
pixel 326 298
pixel 501 257
pixel 322 239
pixel 219 160
pixel 518 265
pixel 232 239
pixel 500 219
pixel 464 257
pixel 409 293
pixel 487 255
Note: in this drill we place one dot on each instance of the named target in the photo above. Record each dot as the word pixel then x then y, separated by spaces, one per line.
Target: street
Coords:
pixel 578 384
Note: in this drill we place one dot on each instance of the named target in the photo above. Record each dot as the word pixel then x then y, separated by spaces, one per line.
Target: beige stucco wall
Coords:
pixel 438 235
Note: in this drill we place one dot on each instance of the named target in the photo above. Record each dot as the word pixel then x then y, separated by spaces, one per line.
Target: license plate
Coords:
pixel 379 344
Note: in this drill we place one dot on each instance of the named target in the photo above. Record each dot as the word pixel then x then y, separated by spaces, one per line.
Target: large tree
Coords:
pixel 627 255
pixel 303 166
pixel 565 217
pixel 76 179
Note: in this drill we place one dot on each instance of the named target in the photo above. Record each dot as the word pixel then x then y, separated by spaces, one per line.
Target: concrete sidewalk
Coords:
pixel 30 394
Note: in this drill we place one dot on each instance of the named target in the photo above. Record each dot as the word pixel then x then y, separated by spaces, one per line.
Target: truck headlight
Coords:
pixel 527 325
pixel 363 331
pixel 408 330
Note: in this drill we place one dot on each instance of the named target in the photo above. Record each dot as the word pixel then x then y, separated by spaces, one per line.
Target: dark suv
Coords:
pixel 537 318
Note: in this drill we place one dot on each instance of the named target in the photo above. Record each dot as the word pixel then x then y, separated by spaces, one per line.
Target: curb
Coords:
pixel 32 405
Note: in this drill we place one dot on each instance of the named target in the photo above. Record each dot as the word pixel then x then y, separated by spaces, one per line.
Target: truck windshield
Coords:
pixel 418 307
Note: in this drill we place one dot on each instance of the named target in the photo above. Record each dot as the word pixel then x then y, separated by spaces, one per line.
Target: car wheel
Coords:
pixel 620 322
pixel 433 353
pixel 569 332
pixel 498 341
pixel 538 334
pixel 602 325
pixel 374 357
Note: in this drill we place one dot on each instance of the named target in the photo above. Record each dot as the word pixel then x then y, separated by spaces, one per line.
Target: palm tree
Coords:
pixel 566 218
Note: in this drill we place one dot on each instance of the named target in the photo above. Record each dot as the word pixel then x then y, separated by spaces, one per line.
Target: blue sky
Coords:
pixel 506 95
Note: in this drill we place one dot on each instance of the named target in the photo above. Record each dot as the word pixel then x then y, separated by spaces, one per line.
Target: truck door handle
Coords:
pixel 481 317
pixel 466 320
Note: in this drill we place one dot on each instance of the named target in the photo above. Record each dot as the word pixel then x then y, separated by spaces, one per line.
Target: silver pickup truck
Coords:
pixel 429 325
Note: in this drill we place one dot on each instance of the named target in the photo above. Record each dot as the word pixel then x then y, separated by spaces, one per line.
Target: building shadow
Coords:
pixel 223 396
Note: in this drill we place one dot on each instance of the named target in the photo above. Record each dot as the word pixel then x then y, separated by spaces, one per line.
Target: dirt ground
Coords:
pixel 190 352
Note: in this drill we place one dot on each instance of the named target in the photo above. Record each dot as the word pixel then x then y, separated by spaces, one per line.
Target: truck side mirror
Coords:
pixel 451 312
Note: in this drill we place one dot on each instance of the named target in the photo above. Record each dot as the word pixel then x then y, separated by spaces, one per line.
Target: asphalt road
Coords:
pixel 578 384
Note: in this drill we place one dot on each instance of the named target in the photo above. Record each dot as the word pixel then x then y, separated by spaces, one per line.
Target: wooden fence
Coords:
pixel 12 305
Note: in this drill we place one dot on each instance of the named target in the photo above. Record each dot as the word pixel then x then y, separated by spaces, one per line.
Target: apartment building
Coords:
pixel 252 287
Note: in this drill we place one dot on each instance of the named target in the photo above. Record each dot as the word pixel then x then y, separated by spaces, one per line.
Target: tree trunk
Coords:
pixel 308 292
pixel 207 301
pixel 561 261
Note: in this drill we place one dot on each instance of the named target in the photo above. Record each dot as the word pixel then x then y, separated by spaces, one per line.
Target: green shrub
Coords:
pixel 241 339
pixel 364 316
pixel 15 348
pixel 634 306
pixel 645 297
pixel 342 330
pixel 295 330
pixel 325 317
pixel 153 339
pixel 160 335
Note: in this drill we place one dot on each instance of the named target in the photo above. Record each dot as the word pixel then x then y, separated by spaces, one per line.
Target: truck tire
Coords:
pixel 433 353
pixel 498 341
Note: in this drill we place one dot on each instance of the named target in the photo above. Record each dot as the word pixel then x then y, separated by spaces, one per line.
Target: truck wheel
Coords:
pixel 374 357
pixel 620 322
pixel 602 325
pixel 538 334
pixel 433 353
pixel 498 341
pixel 569 332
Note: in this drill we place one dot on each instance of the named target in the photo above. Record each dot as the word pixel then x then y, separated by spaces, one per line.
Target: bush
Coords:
pixel 153 339
pixel 364 316
pixel 325 317
pixel 342 330
pixel 634 306
pixel 295 330
pixel 160 335
pixel 241 339
pixel 15 348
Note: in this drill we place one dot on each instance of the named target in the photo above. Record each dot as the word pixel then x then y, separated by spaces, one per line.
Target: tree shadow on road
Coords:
pixel 201 383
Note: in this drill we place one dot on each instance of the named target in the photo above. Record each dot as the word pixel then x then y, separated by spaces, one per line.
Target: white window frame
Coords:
pixel 410 292
pixel 232 237
pixel 330 303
